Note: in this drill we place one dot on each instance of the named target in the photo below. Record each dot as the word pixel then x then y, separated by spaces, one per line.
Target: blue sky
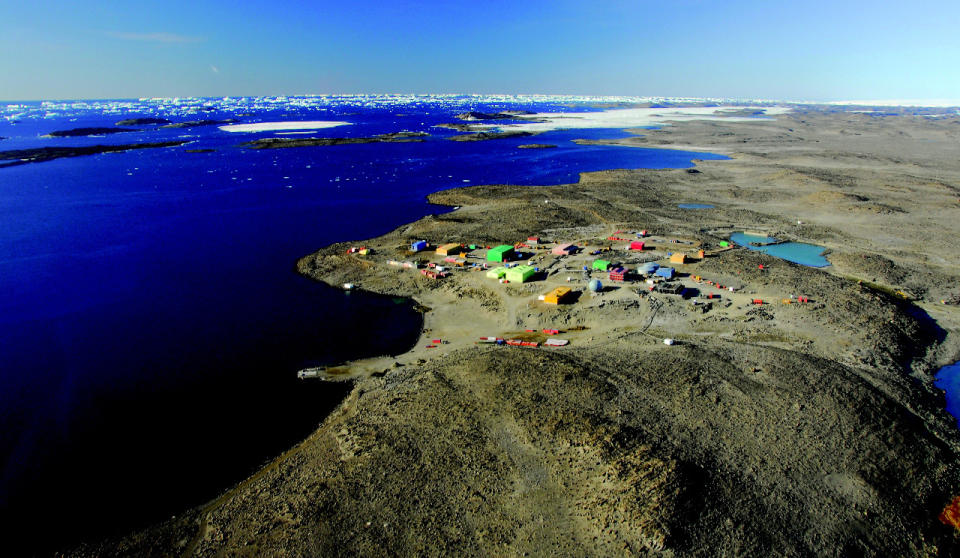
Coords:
pixel 756 49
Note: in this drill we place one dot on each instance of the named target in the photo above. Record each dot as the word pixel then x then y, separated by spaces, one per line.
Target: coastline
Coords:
pixel 658 466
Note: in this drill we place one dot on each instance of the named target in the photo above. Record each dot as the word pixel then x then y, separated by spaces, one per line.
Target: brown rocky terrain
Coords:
pixel 789 429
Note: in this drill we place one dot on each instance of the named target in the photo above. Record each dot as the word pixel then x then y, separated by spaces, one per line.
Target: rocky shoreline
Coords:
pixel 779 428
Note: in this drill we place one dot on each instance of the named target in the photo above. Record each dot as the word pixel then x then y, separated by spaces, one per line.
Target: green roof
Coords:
pixel 520 273
pixel 602 265
pixel 497 272
pixel 499 253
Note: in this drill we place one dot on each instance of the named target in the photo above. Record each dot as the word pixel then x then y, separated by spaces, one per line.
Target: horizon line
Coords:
pixel 914 102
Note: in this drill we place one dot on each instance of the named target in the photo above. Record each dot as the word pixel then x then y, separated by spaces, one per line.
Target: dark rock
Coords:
pixel 142 121
pixel 75 132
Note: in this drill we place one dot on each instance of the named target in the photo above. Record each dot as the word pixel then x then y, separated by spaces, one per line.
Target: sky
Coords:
pixel 813 50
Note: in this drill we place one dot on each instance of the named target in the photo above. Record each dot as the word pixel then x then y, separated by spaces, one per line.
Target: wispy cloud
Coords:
pixel 214 69
pixel 155 37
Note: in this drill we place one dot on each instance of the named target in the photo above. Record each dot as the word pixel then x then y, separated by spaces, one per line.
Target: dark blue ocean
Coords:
pixel 151 321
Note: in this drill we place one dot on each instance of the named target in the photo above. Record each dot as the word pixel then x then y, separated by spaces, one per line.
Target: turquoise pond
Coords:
pixel 801 253
pixel 694 206
pixel 948 379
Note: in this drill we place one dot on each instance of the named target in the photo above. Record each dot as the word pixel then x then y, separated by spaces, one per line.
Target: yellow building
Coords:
pixel 557 296
pixel 451 249
pixel 678 258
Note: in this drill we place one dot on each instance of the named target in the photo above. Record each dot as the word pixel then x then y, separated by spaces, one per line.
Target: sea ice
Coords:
pixel 273 126
pixel 636 117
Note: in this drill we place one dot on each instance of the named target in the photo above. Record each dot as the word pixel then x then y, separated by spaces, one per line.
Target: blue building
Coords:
pixel 666 272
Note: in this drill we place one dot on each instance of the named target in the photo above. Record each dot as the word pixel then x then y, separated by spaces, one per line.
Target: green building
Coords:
pixel 497 272
pixel 502 253
pixel 601 265
pixel 520 274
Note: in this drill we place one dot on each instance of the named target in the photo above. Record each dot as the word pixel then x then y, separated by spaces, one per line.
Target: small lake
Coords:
pixel 948 379
pixel 695 206
pixel 801 253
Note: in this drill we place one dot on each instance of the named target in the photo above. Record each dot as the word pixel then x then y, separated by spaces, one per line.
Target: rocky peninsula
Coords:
pixel 787 427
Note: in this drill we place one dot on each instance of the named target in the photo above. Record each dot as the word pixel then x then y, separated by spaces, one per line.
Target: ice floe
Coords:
pixel 275 126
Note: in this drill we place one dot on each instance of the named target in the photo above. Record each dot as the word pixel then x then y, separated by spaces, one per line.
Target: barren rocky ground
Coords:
pixel 779 429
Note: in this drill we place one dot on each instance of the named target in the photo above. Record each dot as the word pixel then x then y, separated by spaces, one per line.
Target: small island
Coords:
pixel 502 115
pixel 80 132
pixel 482 136
pixel 464 127
pixel 142 121
pixel 278 143
pixel 536 146
pixel 16 157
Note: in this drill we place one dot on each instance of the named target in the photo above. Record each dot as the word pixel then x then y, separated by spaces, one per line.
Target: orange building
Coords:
pixel 557 296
